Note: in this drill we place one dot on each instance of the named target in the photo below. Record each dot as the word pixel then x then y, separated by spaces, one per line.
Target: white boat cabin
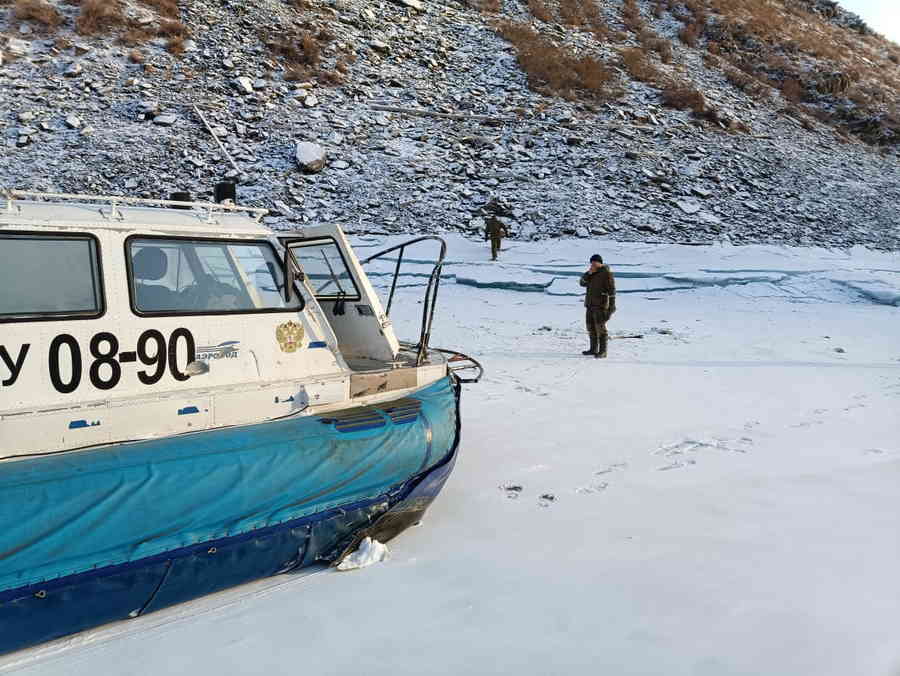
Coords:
pixel 125 319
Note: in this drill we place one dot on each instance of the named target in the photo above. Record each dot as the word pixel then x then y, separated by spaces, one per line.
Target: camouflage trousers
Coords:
pixel 595 319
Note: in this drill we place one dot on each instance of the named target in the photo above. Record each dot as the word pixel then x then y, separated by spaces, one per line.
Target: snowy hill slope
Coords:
pixel 662 136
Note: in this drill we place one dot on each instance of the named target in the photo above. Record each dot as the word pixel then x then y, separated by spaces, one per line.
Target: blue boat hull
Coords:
pixel 365 457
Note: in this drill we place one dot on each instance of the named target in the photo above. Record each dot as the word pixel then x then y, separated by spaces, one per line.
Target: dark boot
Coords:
pixel 601 348
pixel 593 348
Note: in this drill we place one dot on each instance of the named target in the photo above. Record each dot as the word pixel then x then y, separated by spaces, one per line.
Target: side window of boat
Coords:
pixel 46 276
pixel 188 276
pixel 326 269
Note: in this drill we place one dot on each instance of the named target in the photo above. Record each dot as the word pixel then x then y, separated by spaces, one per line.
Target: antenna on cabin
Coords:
pixel 218 141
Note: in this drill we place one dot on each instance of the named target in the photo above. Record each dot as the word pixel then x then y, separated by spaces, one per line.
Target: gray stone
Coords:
pixel 340 164
pixel 310 157
pixel 166 120
pixel 74 69
pixel 688 206
pixel 25 116
pixel 311 101
pixel 74 122
pixel 380 46
pixel 244 85
pixel 701 192
pixel 414 4
pixel 18 47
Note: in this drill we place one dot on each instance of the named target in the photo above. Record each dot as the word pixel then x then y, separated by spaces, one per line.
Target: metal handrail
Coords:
pixel 434 280
pixel 12 195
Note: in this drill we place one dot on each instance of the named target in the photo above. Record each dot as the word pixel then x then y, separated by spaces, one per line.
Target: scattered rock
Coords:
pixel 310 157
pixel 413 4
pixel 166 120
pixel 73 122
pixel 688 206
pixel 74 69
pixel 244 85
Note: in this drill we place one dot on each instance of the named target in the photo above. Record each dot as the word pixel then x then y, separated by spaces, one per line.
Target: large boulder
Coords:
pixel 310 156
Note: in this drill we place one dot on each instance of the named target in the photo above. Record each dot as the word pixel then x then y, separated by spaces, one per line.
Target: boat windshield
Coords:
pixel 182 276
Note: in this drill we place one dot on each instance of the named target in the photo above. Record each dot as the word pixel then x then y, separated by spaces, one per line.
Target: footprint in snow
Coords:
pixel 512 491
pixel 597 487
pixel 678 464
pixel 682 453
pixel 609 469
pixel 546 499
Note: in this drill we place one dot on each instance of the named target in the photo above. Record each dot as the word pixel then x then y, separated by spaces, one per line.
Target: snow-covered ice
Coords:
pixel 719 497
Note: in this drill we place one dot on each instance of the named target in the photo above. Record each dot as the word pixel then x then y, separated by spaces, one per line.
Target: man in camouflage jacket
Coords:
pixel 600 304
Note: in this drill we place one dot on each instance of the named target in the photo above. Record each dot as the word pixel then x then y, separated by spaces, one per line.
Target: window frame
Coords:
pixel 202 313
pixel 288 242
pixel 64 315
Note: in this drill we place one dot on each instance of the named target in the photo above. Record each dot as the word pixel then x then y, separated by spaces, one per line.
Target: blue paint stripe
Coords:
pixel 78 424
pixel 318 343
pixel 188 410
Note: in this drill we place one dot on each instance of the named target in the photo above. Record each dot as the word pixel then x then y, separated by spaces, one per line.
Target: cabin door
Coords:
pixel 349 302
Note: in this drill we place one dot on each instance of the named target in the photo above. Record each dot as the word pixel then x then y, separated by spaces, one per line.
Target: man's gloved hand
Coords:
pixel 612 306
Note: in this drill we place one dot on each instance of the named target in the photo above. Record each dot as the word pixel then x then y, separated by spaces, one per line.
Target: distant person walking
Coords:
pixel 495 231
pixel 599 303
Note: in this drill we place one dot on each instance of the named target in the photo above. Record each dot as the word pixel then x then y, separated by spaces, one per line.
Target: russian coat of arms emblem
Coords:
pixel 289 336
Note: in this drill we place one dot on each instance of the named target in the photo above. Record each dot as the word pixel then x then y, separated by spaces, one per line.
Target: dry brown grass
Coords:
pixel 570 13
pixel 792 90
pixel 554 69
pixel 631 16
pixel 175 45
pixel 651 42
pixel 540 11
pixel 137 35
pixel 99 16
pixel 639 67
pixel 171 28
pixel 684 97
pixel 165 8
pixel 37 11
pixel 298 50
pixel 487 6
pixel 690 34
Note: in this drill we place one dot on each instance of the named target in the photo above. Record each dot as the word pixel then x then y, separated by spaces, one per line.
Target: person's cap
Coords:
pixel 596 258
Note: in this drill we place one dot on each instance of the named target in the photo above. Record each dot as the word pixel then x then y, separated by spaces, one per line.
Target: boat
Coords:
pixel 190 400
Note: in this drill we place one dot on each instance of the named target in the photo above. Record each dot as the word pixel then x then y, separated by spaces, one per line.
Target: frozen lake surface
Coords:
pixel 719 497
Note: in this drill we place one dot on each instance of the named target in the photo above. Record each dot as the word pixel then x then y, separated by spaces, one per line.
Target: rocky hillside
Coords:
pixel 695 121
